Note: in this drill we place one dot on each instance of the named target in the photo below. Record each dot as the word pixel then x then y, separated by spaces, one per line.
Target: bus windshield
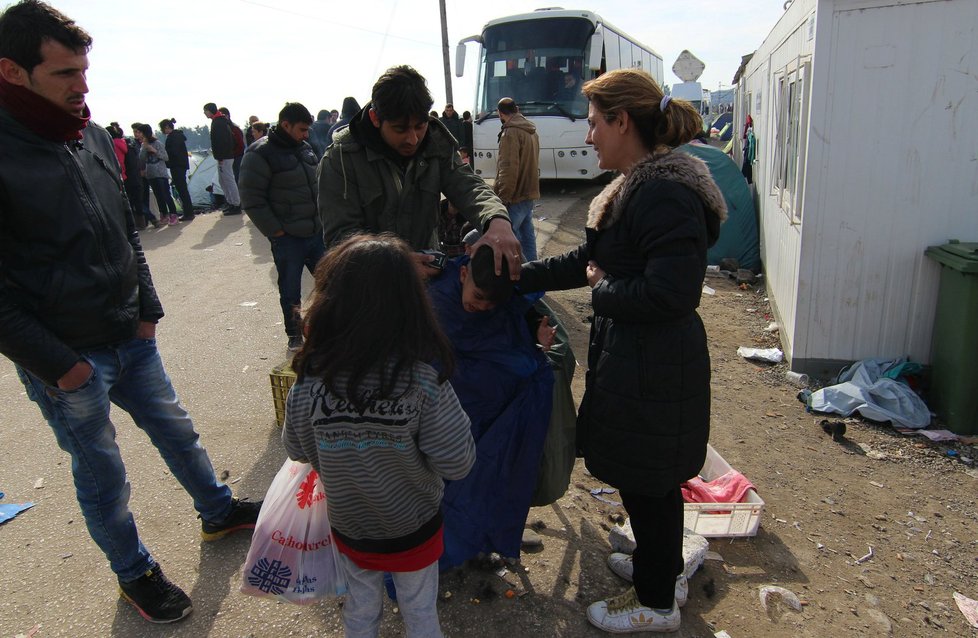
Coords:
pixel 541 64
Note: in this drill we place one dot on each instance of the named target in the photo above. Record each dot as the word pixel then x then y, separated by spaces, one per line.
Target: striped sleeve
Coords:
pixel 298 435
pixel 444 431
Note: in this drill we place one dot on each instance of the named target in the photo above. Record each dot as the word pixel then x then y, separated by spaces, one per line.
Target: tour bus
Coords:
pixel 541 59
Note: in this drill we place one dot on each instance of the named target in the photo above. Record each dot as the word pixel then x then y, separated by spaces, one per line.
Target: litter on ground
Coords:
pixel 771 355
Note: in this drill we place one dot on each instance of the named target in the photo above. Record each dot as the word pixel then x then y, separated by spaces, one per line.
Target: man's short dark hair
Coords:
pixel 401 93
pixel 497 288
pixel 26 25
pixel 507 106
pixel 294 113
pixel 210 107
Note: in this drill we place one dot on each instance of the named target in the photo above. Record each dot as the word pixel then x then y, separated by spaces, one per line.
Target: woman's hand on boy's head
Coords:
pixel 499 236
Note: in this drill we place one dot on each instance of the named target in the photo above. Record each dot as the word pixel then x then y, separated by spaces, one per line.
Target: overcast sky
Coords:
pixel 153 59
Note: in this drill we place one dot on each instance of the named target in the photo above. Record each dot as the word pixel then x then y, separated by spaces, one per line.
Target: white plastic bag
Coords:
pixel 771 355
pixel 292 555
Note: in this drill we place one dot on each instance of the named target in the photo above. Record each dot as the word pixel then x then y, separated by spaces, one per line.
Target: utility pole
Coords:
pixel 444 53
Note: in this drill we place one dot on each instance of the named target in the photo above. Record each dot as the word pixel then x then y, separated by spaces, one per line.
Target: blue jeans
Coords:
pixel 130 375
pixel 147 211
pixel 521 216
pixel 164 200
pixel 291 254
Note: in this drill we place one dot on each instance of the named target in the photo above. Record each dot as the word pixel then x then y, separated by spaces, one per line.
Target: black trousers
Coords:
pixel 178 176
pixel 657 522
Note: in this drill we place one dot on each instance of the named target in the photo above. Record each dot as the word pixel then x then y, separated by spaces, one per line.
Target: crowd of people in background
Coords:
pixel 160 161
pixel 411 369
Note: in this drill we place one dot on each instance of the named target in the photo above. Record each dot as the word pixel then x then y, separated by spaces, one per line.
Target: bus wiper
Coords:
pixel 485 117
pixel 558 107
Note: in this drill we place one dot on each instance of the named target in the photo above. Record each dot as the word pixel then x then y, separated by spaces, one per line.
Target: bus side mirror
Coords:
pixel 460 59
pixel 460 53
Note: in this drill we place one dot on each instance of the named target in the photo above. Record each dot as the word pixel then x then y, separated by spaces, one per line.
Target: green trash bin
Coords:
pixel 954 349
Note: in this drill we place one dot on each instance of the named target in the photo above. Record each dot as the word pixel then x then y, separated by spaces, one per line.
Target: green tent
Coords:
pixel 738 235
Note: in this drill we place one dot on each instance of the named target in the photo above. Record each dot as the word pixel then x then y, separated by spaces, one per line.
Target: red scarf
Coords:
pixel 40 115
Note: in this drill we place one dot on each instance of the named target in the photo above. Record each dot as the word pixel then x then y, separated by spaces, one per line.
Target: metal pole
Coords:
pixel 444 52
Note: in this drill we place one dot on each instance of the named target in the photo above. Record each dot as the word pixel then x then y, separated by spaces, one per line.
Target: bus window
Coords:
pixel 530 61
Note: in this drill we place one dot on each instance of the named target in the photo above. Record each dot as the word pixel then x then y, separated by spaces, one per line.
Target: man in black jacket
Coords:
pixel 279 193
pixel 222 147
pixel 78 310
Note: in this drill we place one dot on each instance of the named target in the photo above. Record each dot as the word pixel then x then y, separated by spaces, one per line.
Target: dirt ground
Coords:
pixel 826 504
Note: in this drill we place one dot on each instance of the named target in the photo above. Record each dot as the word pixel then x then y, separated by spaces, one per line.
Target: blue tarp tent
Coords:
pixel 738 235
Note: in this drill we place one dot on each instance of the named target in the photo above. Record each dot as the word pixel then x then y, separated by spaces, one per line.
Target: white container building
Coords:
pixel 866 121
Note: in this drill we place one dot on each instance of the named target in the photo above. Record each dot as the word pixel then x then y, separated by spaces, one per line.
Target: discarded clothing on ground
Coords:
pixel 730 487
pixel 10 510
pixel 867 387
pixel 505 384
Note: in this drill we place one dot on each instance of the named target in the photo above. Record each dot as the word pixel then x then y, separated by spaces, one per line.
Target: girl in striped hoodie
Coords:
pixel 380 424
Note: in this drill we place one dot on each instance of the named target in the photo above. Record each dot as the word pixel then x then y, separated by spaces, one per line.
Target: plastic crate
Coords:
pixel 282 377
pixel 723 519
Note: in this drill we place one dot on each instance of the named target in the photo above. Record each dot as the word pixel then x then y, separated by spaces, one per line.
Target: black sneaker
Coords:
pixel 187 218
pixel 295 343
pixel 243 515
pixel 232 210
pixel 156 598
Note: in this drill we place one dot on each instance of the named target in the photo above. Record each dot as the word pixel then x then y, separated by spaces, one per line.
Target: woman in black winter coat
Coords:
pixel 179 164
pixel 644 421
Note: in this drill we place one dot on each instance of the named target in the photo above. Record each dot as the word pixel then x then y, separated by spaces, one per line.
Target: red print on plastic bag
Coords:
pixel 292 556
pixel 306 496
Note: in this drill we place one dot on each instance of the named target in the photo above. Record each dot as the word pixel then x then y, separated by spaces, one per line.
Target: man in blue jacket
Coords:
pixel 78 310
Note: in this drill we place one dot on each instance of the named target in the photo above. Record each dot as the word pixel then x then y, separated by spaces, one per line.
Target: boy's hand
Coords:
pixel 594 274
pixel 545 334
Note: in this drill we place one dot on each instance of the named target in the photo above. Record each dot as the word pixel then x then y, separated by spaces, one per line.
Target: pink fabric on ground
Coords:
pixel 728 488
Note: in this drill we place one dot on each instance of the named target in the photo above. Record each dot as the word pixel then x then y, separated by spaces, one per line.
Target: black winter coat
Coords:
pixel 644 421
pixel 176 151
pixel 72 272
pixel 278 186
pixel 454 126
pixel 222 140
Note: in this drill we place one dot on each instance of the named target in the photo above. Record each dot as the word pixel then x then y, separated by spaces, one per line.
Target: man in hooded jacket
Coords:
pixel 518 173
pixel 386 172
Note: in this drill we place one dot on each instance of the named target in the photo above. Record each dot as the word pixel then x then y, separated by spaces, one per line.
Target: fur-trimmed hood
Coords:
pixel 674 166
